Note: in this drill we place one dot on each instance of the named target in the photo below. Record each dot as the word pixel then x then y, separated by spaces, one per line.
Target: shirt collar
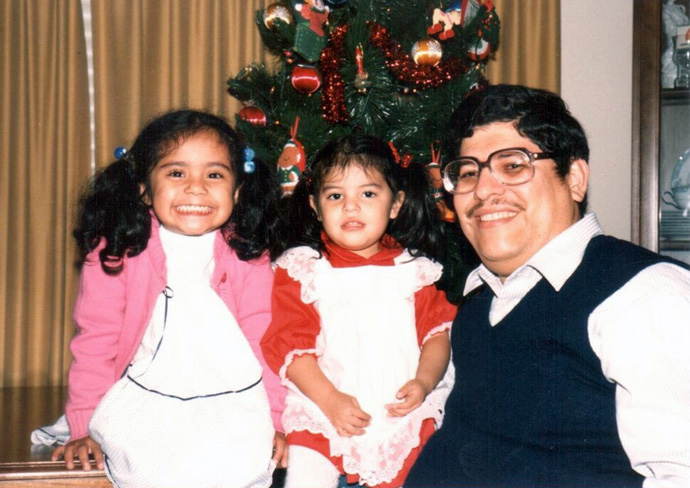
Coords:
pixel 556 261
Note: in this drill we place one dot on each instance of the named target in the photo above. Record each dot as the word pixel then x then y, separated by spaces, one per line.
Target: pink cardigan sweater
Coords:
pixel 112 313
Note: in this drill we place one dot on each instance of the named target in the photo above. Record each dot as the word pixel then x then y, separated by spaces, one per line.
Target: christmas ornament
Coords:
pixel 362 82
pixel 333 93
pixel 427 52
pixel 253 114
pixel 310 37
pixel 276 12
pixel 444 21
pixel 404 161
pixel 433 171
pixel 404 68
pixel 480 50
pixel 305 78
pixel 292 162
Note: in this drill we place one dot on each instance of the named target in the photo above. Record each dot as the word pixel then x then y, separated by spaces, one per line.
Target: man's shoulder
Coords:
pixel 611 251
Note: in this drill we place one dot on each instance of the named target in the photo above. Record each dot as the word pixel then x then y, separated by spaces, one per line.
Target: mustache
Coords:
pixel 494 201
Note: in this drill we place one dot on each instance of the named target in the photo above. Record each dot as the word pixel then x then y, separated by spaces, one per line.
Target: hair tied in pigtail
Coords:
pixel 404 161
pixel 248 156
pixel 121 153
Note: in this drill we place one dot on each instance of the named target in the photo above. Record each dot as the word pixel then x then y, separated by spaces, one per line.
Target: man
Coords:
pixel 572 349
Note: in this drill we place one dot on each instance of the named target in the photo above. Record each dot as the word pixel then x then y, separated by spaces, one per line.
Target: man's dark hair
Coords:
pixel 539 115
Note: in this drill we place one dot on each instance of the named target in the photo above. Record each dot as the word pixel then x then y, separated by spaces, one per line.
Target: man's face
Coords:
pixel 507 225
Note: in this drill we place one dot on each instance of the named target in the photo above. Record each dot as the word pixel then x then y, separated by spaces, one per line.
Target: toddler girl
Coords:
pixel 361 339
pixel 168 386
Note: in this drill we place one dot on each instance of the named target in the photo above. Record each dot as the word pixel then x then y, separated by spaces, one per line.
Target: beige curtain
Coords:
pixel 151 56
pixel 44 155
pixel 529 44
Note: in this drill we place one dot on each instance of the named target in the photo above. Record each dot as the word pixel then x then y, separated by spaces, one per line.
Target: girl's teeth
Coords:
pixel 193 209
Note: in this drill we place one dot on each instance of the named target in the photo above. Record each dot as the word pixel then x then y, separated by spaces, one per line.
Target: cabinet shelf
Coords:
pixel 675 96
pixel 661 139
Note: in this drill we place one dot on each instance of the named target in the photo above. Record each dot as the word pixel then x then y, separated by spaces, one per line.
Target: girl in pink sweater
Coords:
pixel 168 386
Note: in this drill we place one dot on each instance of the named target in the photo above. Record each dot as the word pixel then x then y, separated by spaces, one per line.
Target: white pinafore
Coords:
pixel 191 409
pixel 367 348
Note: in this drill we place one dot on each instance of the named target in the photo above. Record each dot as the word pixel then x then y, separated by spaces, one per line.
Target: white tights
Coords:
pixel 308 468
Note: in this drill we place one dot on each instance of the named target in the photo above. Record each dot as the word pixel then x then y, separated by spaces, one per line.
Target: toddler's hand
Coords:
pixel 412 395
pixel 80 448
pixel 345 414
pixel 280 451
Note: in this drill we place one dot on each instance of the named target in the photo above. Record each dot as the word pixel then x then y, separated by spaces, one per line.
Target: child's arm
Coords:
pixel 433 363
pixel 342 410
pixel 280 451
pixel 98 314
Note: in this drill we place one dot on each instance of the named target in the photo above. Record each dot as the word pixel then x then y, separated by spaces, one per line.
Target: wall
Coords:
pixel 596 82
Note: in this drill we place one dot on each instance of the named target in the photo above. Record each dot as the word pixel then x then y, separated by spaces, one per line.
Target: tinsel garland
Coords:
pixel 333 88
pixel 398 61
pixel 405 69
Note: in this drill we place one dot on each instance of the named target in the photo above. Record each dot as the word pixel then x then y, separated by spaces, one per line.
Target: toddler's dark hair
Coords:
pixel 417 226
pixel 112 210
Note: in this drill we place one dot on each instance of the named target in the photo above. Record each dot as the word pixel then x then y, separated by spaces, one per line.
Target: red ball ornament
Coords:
pixel 427 52
pixel 252 114
pixel 305 79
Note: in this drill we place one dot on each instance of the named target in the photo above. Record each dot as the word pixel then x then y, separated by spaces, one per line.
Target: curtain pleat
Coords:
pixel 529 44
pixel 44 156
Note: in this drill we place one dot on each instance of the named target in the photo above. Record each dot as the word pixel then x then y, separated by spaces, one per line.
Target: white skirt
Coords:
pixel 153 440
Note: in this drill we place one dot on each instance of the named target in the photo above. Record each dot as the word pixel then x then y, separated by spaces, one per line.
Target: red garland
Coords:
pixel 398 61
pixel 333 89
pixel 405 69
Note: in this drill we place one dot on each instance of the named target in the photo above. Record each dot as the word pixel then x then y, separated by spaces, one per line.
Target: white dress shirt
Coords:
pixel 641 335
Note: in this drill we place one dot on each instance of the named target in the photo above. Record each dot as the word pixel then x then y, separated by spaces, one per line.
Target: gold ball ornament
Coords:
pixel 427 52
pixel 276 12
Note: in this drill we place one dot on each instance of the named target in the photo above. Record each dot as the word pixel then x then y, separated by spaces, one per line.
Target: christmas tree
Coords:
pixel 394 69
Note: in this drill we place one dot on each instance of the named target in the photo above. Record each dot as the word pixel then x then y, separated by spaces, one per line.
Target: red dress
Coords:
pixel 365 320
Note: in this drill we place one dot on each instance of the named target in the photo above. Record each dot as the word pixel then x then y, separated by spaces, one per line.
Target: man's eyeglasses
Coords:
pixel 513 166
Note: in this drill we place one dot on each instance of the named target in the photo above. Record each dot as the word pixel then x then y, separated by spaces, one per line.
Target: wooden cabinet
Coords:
pixel 661 142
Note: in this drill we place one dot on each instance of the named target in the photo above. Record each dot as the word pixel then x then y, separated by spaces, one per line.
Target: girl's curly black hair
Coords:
pixel 417 226
pixel 113 212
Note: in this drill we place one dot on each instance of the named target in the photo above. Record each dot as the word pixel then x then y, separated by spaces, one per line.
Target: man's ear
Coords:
pixel 312 204
pixel 397 204
pixel 144 194
pixel 577 179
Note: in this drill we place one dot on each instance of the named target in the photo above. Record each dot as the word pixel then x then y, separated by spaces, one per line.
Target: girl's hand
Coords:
pixel 280 451
pixel 345 414
pixel 80 448
pixel 412 395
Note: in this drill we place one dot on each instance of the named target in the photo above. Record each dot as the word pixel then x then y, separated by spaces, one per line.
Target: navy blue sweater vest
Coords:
pixel 531 406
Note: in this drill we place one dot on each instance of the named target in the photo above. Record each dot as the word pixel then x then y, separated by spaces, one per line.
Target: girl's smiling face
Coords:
pixel 355 207
pixel 192 188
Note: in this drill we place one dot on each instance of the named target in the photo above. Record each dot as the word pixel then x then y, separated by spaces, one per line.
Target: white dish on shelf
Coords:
pixel 679 195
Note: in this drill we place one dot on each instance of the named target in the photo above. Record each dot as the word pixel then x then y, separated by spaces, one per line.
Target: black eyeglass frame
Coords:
pixel 531 157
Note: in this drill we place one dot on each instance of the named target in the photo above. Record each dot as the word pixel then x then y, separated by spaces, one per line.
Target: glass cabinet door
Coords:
pixel 661 132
